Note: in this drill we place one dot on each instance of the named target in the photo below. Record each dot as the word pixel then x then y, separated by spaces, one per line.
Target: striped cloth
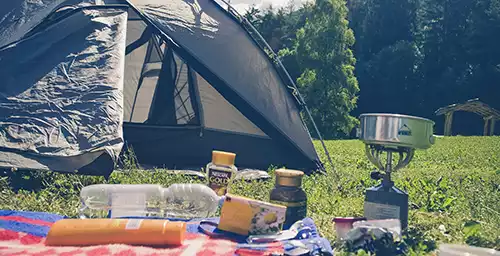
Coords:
pixel 23 233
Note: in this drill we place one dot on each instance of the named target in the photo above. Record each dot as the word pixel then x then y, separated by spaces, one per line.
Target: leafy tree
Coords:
pixel 254 16
pixel 388 58
pixel 391 80
pixel 412 57
pixel 445 65
pixel 383 23
pixel 322 51
pixel 481 44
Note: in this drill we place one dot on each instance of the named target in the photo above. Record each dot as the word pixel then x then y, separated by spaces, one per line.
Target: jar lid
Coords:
pixel 223 158
pixel 289 178
pixel 289 173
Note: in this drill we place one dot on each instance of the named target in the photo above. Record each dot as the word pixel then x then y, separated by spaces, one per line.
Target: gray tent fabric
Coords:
pixel 19 16
pixel 61 101
pixel 221 44
pixel 84 81
pixel 219 109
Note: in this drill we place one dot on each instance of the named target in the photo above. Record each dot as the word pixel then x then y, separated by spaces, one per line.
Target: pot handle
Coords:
pixel 432 139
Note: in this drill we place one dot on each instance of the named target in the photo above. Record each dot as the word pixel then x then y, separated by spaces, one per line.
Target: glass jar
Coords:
pixel 288 192
pixel 221 171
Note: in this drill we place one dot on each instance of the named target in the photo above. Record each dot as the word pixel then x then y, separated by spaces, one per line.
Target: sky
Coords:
pixel 242 5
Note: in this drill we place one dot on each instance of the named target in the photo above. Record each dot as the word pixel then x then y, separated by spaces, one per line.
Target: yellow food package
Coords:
pixel 247 216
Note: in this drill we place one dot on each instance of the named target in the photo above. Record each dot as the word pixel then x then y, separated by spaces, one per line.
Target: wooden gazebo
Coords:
pixel 489 114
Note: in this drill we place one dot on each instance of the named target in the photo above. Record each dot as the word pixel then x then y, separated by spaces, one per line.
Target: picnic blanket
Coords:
pixel 23 233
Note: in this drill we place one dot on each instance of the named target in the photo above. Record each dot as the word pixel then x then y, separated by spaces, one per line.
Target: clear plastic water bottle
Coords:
pixel 190 201
pixel 144 200
pixel 112 200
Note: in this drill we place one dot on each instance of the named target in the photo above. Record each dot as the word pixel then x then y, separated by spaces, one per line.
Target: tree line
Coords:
pixel 395 56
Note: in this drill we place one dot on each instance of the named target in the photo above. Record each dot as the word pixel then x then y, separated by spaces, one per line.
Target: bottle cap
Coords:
pixel 290 178
pixel 223 158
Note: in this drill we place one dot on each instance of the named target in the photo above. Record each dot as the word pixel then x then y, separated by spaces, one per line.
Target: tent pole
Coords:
pixel 320 138
pixel 303 103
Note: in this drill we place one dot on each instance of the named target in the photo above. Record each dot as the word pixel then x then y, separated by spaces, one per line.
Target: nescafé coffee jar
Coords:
pixel 221 171
pixel 288 192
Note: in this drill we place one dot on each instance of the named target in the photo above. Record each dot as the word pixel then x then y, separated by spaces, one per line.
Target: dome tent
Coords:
pixel 83 81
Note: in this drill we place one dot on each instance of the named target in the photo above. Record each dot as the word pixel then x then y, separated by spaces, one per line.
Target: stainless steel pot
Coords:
pixel 396 130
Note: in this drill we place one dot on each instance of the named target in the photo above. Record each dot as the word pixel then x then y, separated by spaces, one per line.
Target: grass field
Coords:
pixel 454 190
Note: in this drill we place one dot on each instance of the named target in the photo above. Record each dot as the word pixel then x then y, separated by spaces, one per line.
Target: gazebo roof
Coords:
pixel 473 105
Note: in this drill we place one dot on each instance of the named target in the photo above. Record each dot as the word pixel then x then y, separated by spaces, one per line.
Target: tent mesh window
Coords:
pixel 162 89
pixel 157 88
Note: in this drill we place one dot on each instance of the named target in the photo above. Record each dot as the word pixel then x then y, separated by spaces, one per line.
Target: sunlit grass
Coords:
pixel 455 182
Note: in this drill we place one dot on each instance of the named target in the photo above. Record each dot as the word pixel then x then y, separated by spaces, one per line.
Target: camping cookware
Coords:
pixel 396 130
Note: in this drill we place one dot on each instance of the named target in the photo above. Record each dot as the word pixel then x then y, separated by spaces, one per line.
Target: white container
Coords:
pixel 465 250
pixel 122 200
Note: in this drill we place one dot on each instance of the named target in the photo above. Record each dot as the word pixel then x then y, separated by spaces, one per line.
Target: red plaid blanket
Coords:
pixel 23 233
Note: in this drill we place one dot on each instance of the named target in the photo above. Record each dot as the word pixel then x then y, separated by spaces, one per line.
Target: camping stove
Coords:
pixel 387 136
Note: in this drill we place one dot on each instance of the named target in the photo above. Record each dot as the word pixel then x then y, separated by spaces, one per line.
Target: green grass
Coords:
pixel 455 185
